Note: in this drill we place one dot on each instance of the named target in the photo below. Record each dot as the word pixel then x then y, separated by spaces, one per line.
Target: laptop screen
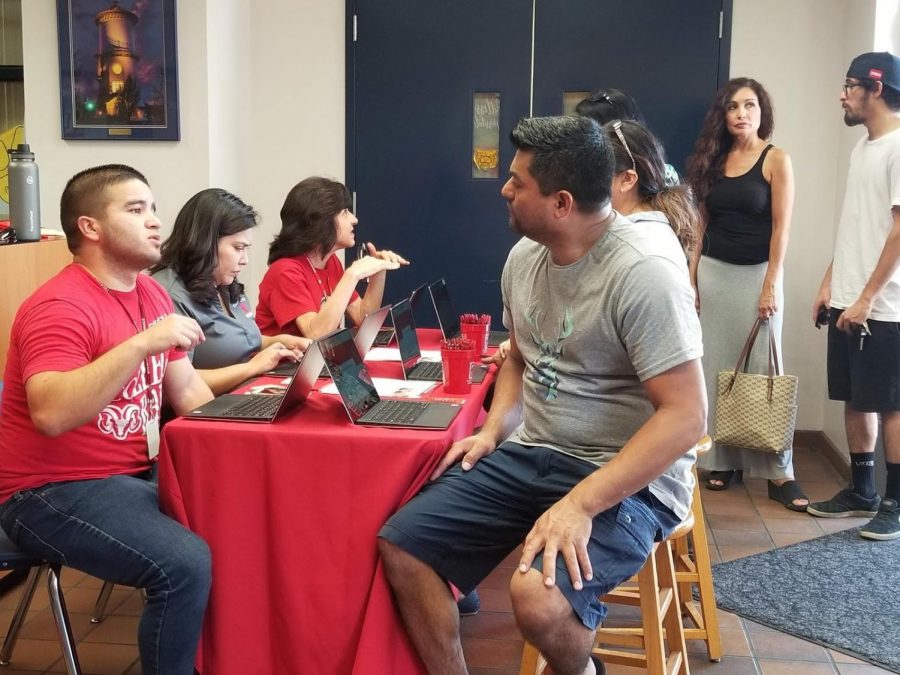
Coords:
pixel 407 340
pixel 447 316
pixel 350 375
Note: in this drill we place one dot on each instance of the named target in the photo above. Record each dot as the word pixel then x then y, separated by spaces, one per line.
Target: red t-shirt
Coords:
pixel 290 288
pixel 67 323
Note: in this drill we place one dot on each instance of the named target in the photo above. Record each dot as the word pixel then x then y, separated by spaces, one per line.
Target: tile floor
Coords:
pixel 742 521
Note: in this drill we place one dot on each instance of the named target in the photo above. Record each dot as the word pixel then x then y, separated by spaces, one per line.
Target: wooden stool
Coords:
pixel 693 568
pixel 655 591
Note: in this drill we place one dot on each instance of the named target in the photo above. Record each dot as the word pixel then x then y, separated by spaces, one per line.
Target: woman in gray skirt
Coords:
pixel 745 187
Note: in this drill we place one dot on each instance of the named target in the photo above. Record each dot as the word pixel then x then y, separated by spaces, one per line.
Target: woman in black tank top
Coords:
pixel 745 187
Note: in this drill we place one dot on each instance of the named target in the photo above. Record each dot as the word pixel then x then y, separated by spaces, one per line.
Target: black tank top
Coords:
pixel 740 217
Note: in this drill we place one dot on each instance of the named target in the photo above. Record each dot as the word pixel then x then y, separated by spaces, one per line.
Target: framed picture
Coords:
pixel 117 70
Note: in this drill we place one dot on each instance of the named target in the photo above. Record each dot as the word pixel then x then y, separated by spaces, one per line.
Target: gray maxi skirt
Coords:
pixel 729 299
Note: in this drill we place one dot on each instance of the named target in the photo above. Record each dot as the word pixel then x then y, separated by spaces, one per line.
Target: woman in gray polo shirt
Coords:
pixel 199 267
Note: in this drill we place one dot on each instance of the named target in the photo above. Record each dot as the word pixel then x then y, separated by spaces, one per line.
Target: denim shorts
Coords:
pixel 868 377
pixel 465 523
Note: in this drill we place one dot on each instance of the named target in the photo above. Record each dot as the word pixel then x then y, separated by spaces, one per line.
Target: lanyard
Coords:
pixel 324 288
pixel 145 367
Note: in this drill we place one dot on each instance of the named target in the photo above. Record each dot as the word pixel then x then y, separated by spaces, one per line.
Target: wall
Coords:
pixel 800 51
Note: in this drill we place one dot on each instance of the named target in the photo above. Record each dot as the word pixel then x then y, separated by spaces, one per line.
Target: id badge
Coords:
pixel 152 431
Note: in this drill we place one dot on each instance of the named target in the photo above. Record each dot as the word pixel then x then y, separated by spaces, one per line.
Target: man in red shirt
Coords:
pixel 92 353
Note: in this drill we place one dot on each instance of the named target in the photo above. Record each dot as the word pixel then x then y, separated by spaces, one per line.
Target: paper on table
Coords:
pixel 389 387
pixel 393 354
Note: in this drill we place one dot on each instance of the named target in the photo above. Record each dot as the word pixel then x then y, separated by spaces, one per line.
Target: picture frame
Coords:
pixel 118 70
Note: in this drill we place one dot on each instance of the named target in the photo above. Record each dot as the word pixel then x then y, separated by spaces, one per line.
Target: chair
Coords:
pixel 11 557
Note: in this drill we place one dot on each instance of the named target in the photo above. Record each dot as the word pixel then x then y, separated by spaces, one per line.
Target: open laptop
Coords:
pixel 364 337
pixel 361 400
pixel 265 408
pixel 414 368
pixel 386 335
pixel 448 319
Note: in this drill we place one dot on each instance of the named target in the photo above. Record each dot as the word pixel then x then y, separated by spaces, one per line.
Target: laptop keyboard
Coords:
pixel 384 337
pixel 395 412
pixel 427 370
pixel 254 407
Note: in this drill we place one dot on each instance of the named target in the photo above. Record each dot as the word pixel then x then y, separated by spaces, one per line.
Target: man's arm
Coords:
pixel 61 401
pixel 888 262
pixel 678 397
pixel 823 297
pixel 505 415
pixel 183 387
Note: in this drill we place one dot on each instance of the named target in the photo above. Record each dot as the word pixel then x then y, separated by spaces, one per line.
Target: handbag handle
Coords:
pixel 774 365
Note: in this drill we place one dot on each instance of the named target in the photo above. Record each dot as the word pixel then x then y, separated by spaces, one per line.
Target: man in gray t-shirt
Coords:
pixel 596 410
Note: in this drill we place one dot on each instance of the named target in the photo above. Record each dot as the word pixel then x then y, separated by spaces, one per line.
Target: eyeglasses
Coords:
pixel 617 127
pixel 8 236
pixel 847 86
pixel 601 96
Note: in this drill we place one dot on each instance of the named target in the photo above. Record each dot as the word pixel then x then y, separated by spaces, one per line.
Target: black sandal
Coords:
pixel 725 477
pixel 787 493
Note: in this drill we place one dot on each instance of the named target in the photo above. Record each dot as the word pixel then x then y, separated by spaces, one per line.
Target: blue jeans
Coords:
pixel 112 529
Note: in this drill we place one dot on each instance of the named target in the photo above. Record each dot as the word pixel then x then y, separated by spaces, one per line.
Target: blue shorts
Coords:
pixel 464 524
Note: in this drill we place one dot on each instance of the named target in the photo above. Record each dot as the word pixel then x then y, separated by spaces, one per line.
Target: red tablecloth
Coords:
pixel 291 511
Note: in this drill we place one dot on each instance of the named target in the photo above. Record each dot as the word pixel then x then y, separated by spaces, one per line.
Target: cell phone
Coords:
pixel 822 317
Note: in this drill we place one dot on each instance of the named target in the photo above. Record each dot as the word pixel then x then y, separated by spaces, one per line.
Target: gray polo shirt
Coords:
pixel 230 339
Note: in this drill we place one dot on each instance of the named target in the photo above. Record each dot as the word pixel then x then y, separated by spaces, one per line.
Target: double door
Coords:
pixel 435 87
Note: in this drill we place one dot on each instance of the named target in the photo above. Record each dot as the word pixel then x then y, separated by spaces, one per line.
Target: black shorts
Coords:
pixel 867 378
pixel 464 524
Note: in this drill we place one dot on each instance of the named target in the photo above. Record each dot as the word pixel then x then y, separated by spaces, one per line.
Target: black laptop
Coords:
pixel 361 400
pixel 448 319
pixel 265 408
pixel 414 368
pixel 364 337
pixel 386 335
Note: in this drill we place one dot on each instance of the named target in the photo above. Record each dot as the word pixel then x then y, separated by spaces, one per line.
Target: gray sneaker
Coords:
pixel 844 504
pixel 886 523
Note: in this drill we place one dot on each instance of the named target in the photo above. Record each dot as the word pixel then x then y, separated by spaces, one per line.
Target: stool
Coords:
pixel 693 568
pixel 655 591
pixel 11 557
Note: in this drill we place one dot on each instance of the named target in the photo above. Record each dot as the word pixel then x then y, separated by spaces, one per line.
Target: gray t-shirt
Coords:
pixel 230 339
pixel 591 332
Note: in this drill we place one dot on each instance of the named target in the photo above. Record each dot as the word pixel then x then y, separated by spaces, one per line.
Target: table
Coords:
pixel 291 511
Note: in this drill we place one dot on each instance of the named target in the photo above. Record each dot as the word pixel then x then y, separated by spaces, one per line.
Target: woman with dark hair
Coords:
pixel 745 186
pixel 199 267
pixel 639 187
pixel 306 291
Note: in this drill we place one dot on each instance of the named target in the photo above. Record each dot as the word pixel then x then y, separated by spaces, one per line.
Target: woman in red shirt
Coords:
pixel 306 291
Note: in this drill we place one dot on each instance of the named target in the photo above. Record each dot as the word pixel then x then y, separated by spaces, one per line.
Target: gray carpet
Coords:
pixel 840 591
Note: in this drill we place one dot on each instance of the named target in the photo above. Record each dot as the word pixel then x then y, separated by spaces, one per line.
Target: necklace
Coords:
pixel 324 287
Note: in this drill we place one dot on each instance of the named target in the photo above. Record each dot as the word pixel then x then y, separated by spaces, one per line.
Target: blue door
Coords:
pixel 434 87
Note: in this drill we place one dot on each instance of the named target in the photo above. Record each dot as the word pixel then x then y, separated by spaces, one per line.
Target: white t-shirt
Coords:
pixel 873 187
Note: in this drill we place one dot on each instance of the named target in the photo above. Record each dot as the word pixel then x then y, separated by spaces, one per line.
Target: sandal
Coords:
pixel 726 478
pixel 787 493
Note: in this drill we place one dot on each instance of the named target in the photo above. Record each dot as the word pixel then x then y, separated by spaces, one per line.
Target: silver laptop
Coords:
pixel 386 335
pixel 361 400
pixel 265 408
pixel 364 338
pixel 414 368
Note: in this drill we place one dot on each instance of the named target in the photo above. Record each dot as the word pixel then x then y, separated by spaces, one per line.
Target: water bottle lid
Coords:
pixel 23 151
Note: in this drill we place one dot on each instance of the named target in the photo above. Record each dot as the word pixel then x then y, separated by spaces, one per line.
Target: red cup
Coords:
pixel 478 333
pixel 457 365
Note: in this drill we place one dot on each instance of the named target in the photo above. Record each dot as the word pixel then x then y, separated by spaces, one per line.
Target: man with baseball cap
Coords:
pixel 861 292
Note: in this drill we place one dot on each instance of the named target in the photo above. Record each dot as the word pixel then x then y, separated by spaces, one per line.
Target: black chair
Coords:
pixel 11 558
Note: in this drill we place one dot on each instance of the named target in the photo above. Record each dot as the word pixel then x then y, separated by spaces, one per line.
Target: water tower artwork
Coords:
pixel 117 69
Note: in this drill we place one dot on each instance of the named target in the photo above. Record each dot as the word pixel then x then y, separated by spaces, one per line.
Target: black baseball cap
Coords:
pixel 881 67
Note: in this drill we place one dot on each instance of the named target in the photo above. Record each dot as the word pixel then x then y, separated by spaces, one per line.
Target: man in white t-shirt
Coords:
pixel 860 297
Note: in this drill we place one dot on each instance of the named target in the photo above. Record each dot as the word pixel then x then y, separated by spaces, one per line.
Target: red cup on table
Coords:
pixel 477 328
pixel 456 360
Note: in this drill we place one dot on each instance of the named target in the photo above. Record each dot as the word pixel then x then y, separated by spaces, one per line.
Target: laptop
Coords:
pixel 386 335
pixel 364 337
pixel 448 319
pixel 265 408
pixel 361 401
pixel 414 368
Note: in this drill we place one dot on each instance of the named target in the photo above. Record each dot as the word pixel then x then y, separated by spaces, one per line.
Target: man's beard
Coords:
pixel 851 120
